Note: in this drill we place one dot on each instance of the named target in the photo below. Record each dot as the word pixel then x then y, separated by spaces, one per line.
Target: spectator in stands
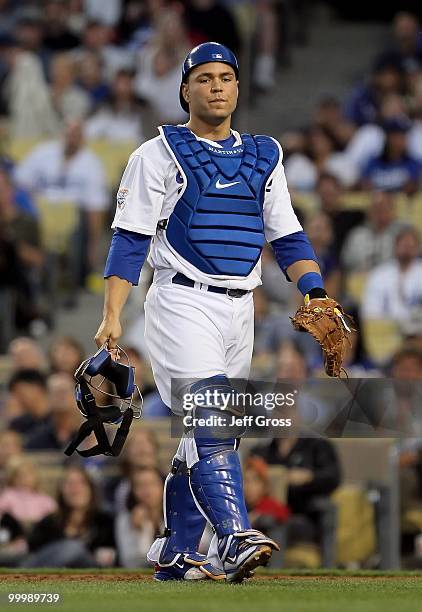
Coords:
pixel 137 525
pixel 23 497
pixel 406 364
pixel 364 102
pixel 65 355
pixel 98 39
pixel 265 511
pixel 394 289
pixel 91 80
pixel 330 193
pixel 26 354
pixel 295 360
pixel 57 36
pixel 405 52
pixel 210 20
pixel 8 15
pixel 67 171
pixel 79 533
pixel 10 447
pixel 29 387
pixel 21 197
pixel 356 361
pixel 271 327
pixel 406 370
pixel 372 243
pixel 322 155
pixel 77 18
pixel 153 405
pixel 320 230
pixel 30 32
pixel 329 115
pixel 158 77
pixel 394 170
pixel 25 94
pixel 267 43
pixel 13 544
pixel 276 288
pixel 20 235
pixel 313 472
pixel 368 140
pixel 65 418
pixel 140 450
pixel 70 101
pixel 119 118
pixel 135 26
pixel 105 12
pixel 414 139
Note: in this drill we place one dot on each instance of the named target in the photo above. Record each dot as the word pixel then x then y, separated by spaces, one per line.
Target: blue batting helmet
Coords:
pixel 202 54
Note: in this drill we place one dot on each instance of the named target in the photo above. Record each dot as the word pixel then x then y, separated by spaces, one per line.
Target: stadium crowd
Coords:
pixel 82 84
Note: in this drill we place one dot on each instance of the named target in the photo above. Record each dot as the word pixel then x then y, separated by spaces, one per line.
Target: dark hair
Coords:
pixel 63 512
pixel 328 100
pixel 32 377
pixel 327 176
pixel 407 229
pixel 407 352
pixel 66 340
pixel 131 500
pixel 125 465
pixel 336 146
pixel 125 72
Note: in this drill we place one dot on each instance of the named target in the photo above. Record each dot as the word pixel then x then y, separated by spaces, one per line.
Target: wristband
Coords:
pixel 310 282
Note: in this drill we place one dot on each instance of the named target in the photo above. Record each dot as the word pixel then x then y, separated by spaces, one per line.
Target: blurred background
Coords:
pixel 82 84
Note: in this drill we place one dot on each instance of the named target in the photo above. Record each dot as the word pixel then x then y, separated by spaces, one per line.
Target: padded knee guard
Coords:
pixel 215 397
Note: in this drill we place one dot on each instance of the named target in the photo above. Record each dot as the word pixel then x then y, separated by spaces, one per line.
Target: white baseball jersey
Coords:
pixel 150 189
pixel 81 179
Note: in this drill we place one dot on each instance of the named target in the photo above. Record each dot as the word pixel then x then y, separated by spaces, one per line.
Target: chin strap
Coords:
pixel 96 416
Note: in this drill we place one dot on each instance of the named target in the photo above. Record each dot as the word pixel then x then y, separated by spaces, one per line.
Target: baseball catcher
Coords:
pixel 200 200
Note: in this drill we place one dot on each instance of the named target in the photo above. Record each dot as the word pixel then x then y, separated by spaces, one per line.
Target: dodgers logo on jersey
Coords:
pixel 121 198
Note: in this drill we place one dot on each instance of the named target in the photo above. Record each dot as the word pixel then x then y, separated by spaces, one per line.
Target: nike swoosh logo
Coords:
pixel 220 185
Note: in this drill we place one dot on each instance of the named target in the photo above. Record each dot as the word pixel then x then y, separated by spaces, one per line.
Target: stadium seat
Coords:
pixel 356 200
pixel 58 222
pixel 114 157
pixel 19 148
pixel 382 339
pixel 371 466
pixel 355 285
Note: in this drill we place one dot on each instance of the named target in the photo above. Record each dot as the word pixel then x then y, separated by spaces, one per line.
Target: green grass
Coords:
pixel 326 592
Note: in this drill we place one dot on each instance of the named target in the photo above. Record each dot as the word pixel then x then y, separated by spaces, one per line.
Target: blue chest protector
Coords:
pixel 217 224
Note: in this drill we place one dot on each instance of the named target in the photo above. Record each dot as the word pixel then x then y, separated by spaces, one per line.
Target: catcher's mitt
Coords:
pixel 326 321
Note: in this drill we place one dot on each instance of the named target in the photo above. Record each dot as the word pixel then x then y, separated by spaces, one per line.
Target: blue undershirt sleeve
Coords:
pixel 291 248
pixel 127 254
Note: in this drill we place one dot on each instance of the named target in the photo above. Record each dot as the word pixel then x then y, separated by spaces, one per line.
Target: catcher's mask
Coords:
pixel 123 378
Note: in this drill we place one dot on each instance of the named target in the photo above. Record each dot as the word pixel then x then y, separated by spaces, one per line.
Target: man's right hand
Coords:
pixel 109 331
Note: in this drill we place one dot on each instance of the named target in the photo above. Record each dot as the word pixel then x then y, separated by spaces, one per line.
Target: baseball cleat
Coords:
pixel 258 557
pixel 188 567
pixel 242 552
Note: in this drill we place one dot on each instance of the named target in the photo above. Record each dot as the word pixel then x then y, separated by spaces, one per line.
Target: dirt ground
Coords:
pixel 38 576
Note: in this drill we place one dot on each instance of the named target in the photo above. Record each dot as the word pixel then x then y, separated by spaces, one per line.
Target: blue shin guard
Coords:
pixel 217 485
pixel 175 553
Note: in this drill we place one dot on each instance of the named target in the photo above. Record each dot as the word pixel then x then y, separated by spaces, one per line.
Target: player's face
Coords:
pixel 212 92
